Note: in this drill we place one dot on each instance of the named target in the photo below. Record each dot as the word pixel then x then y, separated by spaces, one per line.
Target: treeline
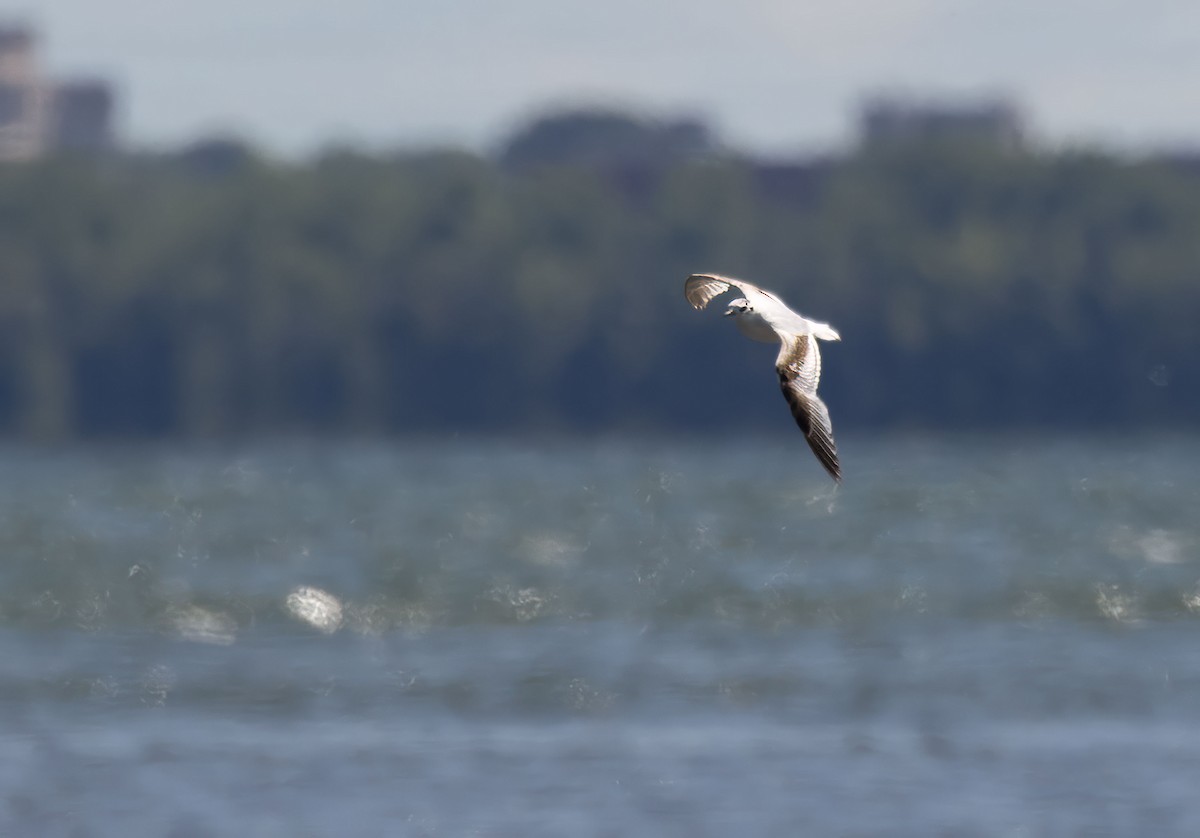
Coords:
pixel 217 293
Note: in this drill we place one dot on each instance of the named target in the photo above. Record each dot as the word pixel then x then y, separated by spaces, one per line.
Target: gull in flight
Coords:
pixel 762 316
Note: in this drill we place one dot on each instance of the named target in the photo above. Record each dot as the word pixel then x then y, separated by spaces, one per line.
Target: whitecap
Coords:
pixel 199 625
pixel 320 609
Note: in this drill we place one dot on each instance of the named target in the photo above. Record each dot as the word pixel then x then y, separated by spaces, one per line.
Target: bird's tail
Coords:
pixel 823 331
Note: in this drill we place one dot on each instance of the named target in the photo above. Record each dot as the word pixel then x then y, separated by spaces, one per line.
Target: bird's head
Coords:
pixel 739 306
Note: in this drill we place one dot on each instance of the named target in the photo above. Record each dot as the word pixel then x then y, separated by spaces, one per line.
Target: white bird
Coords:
pixel 762 316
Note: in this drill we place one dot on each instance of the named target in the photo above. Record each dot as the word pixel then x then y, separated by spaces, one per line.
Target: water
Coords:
pixel 976 636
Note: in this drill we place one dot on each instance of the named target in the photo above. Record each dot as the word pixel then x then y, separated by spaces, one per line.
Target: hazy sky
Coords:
pixel 776 76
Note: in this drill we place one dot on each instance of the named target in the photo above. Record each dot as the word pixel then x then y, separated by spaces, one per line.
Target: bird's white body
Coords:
pixel 754 326
pixel 768 319
pixel 762 316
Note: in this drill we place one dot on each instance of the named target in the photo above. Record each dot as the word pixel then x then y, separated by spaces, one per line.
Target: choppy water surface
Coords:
pixel 980 636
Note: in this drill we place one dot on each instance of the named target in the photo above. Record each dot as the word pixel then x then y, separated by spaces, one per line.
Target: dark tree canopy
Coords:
pixel 214 292
pixel 597 137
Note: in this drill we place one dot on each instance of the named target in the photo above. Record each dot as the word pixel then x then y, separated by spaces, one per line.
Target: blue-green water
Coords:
pixel 981 636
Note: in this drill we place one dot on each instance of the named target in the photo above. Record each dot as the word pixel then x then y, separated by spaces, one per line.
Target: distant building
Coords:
pixel 22 99
pixel 40 115
pixel 81 116
pixel 889 122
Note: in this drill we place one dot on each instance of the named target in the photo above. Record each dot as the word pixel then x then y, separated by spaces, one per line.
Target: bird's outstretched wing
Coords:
pixel 700 289
pixel 799 369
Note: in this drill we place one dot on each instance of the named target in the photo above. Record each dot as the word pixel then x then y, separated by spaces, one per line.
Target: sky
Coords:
pixel 776 77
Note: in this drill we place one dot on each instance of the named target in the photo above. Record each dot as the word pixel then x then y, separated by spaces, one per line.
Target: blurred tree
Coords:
pixel 602 137
pixel 216 292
